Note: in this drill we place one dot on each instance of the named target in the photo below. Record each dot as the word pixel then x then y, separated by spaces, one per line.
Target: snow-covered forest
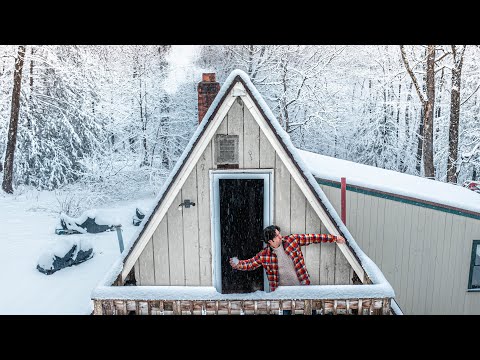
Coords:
pixel 104 119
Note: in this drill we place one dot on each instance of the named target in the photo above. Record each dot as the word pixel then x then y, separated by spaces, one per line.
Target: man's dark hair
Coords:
pixel 269 233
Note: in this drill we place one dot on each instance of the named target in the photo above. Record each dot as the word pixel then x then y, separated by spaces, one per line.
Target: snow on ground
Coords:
pixel 27 230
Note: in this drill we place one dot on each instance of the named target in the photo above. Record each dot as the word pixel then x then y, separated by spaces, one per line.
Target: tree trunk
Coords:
pixel 454 118
pixel 12 129
pixel 453 130
pixel 250 59
pixel 428 166
pixel 143 119
pixel 29 121
pixel 283 109
pixel 383 130
pixel 397 131
pixel 406 147
pixel 423 99
pixel 420 140
pixel 438 110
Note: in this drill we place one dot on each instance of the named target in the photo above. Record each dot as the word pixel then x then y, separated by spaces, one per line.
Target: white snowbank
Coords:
pixel 28 234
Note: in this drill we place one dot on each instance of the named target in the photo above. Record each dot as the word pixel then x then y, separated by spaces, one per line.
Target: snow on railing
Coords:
pixel 202 300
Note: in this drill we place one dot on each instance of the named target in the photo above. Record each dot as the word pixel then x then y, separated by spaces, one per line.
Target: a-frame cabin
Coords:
pixel 239 173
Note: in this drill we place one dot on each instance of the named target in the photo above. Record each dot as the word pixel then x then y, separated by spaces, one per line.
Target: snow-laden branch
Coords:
pixel 412 75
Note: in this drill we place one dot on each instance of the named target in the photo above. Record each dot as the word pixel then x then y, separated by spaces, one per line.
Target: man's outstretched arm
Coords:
pixel 246 265
pixel 307 239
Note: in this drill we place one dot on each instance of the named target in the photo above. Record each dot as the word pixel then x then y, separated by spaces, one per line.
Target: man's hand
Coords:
pixel 233 262
pixel 340 240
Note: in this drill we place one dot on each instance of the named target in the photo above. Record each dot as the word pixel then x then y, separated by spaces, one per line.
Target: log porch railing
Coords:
pixel 242 307
pixel 111 297
pixel 184 300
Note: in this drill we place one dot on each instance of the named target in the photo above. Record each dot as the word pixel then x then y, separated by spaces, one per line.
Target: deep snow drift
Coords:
pixel 28 230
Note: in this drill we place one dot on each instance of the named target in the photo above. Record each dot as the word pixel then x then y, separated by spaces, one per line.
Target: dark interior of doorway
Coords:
pixel 241 231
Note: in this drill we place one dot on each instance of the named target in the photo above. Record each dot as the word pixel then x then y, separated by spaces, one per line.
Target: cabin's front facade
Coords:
pixel 241 172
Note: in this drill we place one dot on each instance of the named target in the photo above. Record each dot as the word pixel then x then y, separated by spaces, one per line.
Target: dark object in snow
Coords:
pixel 472 185
pixel 138 217
pixel 65 232
pixel 51 262
pixel 86 223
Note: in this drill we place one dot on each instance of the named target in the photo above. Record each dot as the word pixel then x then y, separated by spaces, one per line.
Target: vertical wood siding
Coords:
pixel 161 254
pixel 312 253
pixel 235 127
pixel 328 252
pixel 175 243
pixel 251 142
pixel 341 266
pixel 267 153
pixel 190 231
pixel 282 206
pixel 180 250
pixel 439 237
pixel 203 206
pixel 147 269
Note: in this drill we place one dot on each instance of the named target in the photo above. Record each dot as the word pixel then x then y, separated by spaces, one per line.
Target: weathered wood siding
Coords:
pixel 424 253
pixel 180 251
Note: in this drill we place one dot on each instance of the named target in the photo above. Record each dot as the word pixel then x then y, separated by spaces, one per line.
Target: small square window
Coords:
pixel 474 278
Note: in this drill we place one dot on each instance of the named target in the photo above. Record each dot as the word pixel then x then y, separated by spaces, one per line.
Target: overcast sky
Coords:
pixel 180 58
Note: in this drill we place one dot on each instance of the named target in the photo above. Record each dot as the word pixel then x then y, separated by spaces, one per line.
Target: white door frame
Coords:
pixel 215 176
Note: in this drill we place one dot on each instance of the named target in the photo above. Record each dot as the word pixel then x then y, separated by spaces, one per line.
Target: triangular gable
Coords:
pixel 238 84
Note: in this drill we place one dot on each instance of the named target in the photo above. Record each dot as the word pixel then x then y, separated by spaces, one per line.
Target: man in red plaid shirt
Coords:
pixel 284 264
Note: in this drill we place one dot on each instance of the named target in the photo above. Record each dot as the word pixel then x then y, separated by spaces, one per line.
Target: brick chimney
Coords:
pixel 207 90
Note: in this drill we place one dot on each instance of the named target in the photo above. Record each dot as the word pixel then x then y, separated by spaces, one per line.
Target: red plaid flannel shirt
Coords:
pixel 291 243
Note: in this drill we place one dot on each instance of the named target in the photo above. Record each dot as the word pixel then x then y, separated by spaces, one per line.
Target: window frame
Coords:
pixel 475 244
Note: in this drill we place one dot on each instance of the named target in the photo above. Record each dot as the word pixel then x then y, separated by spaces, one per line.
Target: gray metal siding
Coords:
pixel 424 253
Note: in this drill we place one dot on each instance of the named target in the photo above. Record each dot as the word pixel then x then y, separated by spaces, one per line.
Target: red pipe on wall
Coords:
pixel 344 200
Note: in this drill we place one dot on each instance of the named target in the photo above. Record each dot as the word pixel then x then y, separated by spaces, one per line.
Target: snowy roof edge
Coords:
pixel 318 164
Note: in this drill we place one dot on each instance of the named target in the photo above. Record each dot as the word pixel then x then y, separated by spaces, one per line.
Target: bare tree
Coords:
pixel 12 130
pixel 458 53
pixel 30 97
pixel 428 103
pixel 300 69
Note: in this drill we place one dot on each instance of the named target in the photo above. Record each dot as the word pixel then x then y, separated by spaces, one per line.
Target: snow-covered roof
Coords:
pixel 370 268
pixel 392 182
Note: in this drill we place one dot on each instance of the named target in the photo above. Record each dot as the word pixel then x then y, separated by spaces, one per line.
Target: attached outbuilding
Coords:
pixel 423 234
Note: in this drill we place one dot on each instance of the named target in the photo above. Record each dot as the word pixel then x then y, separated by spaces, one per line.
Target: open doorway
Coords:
pixel 241 203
